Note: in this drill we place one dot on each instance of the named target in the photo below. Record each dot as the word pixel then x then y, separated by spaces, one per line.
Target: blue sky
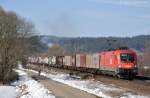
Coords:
pixel 92 18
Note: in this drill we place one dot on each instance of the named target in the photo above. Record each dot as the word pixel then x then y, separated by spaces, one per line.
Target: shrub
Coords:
pixel 10 77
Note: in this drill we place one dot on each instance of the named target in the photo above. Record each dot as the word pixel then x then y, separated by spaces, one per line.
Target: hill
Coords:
pixel 90 44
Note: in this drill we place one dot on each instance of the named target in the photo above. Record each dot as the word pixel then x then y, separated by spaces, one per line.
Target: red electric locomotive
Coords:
pixel 119 62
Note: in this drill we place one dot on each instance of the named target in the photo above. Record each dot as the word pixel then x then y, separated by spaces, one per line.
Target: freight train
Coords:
pixel 121 62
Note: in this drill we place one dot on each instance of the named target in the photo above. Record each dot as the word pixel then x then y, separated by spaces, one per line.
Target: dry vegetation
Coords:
pixel 56 50
pixel 147 54
pixel 144 61
pixel 15 46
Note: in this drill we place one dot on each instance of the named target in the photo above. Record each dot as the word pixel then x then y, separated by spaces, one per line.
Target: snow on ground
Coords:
pixel 90 86
pixel 94 87
pixel 25 87
pixel 129 95
pixel 29 88
pixel 85 85
pixel 8 92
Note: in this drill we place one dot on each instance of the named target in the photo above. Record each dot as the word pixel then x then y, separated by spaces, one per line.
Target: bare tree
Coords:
pixel 147 54
pixel 56 50
pixel 15 33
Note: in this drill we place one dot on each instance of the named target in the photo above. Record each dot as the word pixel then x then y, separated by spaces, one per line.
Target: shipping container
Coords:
pixel 73 60
pixel 45 60
pixel 64 60
pixel 81 60
pixel 36 60
pixel 53 60
pixel 67 61
pixel 59 60
pixel 89 60
pixel 95 60
pixel 49 60
pixel 77 60
pixel 39 60
pixel 32 59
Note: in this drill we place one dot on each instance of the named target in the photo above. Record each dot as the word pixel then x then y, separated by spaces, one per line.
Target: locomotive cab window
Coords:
pixel 127 57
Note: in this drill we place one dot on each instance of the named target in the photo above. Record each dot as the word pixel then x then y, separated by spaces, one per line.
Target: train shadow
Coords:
pixel 142 78
pixel 37 78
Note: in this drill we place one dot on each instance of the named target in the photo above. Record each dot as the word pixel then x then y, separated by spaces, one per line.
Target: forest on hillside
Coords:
pixel 90 45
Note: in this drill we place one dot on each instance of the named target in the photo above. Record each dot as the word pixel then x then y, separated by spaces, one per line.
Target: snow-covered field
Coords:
pixel 94 87
pixel 29 88
pixel 8 92
pixel 25 87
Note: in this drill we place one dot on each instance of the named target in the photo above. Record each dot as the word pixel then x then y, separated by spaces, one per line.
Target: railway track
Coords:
pixel 139 85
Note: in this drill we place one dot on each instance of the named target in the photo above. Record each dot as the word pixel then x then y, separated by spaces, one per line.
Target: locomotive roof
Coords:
pixel 120 51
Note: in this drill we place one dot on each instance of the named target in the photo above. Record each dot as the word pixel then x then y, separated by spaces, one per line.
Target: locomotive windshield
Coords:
pixel 127 57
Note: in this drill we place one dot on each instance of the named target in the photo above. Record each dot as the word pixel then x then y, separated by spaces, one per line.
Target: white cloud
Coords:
pixel 134 3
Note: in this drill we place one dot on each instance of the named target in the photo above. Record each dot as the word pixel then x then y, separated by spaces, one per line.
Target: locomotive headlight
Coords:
pixel 119 66
pixel 135 66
